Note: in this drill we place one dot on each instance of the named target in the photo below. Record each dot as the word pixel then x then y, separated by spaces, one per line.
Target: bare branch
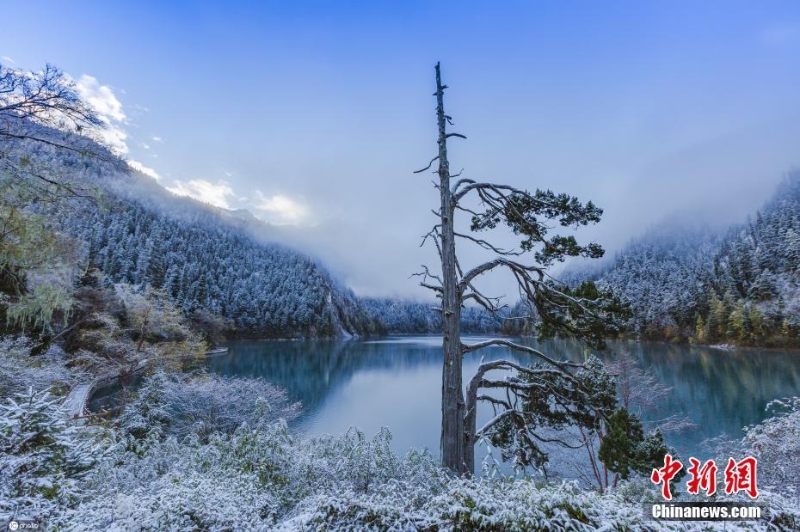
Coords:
pixel 500 189
pixel 427 167
pixel 461 182
pixel 425 274
pixel 491 304
pixel 487 245
pixel 434 235
pixel 563 365
pixel 500 261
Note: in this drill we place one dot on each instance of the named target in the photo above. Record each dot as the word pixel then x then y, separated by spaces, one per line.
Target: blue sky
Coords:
pixel 313 114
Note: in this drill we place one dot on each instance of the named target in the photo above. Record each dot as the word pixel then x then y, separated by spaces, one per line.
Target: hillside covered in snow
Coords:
pixel 693 284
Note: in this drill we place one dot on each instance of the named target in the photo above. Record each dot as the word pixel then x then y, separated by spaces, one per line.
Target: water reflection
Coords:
pixel 396 382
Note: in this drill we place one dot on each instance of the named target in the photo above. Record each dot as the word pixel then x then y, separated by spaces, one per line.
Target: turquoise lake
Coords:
pixel 396 382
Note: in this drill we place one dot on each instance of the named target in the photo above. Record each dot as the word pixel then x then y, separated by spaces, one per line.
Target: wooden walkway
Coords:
pixel 78 398
pixel 217 352
pixel 75 402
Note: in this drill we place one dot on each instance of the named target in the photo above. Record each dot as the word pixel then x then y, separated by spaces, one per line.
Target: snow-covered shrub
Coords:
pixel 263 478
pixel 510 504
pixel 251 479
pixel 267 480
pixel 205 403
pixel 776 444
pixel 182 486
pixel 42 455
pixel 19 370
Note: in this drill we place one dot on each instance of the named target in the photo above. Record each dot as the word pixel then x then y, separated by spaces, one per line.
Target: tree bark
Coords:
pixel 453 435
pixel 470 423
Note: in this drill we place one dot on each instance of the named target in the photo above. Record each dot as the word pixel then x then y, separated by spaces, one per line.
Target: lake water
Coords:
pixel 396 382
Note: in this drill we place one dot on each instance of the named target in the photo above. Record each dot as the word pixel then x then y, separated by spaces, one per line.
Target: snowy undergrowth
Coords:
pixel 96 478
pixel 200 403
pixel 19 370
pixel 43 457
pixel 776 443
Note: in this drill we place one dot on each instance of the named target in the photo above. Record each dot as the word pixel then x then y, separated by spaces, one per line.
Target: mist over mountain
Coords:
pixel 690 283
pixel 130 230
pixel 204 259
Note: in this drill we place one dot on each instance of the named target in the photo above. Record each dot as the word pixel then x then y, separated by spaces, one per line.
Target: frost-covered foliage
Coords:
pixel 266 479
pixel 36 264
pixel 48 135
pixel 202 404
pixel 42 456
pixel 741 287
pixel 776 444
pixel 46 302
pixel 116 329
pixel 517 505
pixel 19 370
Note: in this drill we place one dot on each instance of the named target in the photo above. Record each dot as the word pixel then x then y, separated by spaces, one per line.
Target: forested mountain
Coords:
pixel 129 230
pixel 740 286
pixel 205 264
pixel 412 317
pixel 206 260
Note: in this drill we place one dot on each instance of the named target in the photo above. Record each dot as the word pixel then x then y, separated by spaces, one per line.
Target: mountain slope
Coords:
pixel 206 264
pixel 742 286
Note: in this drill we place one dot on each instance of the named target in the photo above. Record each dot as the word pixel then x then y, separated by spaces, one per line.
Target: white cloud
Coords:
pixel 139 167
pixel 227 173
pixel 109 109
pixel 205 191
pixel 7 59
pixel 157 139
pixel 102 98
pixel 281 210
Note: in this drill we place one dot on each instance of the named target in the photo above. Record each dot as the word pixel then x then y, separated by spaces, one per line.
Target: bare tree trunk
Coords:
pixel 453 435
pixel 470 423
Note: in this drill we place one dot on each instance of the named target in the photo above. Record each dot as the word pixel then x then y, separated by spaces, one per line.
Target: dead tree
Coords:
pixel 552 392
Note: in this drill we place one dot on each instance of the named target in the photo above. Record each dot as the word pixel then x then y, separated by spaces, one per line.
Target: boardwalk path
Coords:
pixel 76 401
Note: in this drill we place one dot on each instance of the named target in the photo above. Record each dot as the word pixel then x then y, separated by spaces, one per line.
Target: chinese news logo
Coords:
pixel 739 476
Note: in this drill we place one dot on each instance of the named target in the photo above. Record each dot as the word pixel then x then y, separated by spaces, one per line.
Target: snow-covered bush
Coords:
pixel 266 479
pixel 42 455
pixel 251 479
pixel 19 370
pixel 205 403
pixel 776 444
pixel 517 504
